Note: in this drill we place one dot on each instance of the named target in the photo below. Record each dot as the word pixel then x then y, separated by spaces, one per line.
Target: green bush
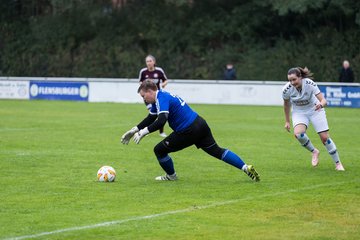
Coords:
pixel 190 39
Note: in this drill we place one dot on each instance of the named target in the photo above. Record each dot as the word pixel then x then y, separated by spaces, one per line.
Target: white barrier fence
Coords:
pixel 209 92
pixel 192 91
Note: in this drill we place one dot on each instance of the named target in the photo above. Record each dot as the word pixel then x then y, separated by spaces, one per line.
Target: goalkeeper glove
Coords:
pixel 128 135
pixel 142 133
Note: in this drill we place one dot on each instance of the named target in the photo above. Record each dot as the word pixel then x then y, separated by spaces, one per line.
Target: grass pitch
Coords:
pixel 50 152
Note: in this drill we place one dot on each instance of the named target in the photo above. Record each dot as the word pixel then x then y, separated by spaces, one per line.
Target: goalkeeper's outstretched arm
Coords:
pixel 147 121
pixel 155 125
pixel 158 123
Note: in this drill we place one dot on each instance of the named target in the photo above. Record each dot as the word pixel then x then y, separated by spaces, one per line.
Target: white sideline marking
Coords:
pixel 17 129
pixel 191 209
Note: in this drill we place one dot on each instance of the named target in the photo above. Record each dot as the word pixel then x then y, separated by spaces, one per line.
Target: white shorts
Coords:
pixel 317 119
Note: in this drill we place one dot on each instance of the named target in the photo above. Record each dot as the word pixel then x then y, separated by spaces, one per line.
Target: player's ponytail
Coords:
pixel 301 72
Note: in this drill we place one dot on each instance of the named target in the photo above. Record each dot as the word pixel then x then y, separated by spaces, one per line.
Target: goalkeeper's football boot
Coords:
pixel 339 167
pixel 167 177
pixel 252 173
pixel 315 157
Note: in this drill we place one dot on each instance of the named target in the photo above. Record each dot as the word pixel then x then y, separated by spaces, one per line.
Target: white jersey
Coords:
pixel 304 100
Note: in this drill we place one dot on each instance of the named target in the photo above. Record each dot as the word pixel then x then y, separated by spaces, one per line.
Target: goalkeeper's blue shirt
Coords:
pixel 180 115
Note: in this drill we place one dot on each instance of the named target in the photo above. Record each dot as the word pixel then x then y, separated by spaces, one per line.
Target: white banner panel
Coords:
pixel 14 89
pixel 208 92
pixel 125 92
pixel 217 93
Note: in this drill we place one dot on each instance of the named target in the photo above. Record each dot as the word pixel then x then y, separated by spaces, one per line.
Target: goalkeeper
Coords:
pixel 189 128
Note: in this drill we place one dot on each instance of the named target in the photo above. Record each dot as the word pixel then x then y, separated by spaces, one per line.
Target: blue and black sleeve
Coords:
pixel 159 122
pixel 147 121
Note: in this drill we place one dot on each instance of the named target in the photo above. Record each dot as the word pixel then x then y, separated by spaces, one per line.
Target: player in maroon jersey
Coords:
pixel 157 75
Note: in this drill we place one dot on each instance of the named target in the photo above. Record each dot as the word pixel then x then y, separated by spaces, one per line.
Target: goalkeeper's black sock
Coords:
pixel 167 164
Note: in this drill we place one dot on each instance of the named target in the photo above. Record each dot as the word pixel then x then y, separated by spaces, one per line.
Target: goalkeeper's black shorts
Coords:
pixel 198 134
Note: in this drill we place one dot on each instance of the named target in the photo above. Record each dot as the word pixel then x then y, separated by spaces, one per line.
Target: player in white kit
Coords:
pixel 308 103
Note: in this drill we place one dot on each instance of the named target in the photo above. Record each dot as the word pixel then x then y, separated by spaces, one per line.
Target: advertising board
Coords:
pixel 14 90
pixel 50 90
pixel 341 96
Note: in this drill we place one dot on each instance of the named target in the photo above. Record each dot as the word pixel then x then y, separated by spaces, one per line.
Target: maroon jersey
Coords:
pixel 157 75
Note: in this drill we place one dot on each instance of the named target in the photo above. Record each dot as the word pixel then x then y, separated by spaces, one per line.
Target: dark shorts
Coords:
pixel 198 134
